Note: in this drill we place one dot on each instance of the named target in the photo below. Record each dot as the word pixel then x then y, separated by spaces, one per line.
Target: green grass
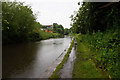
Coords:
pixel 46 35
pixel 60 66
pixel 84 66
pixel 40 35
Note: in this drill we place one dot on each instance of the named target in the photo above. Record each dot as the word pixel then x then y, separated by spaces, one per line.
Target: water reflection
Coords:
pixel 31 60
pixel 16 58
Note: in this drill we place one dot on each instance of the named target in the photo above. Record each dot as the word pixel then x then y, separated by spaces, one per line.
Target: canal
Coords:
pixel 31 60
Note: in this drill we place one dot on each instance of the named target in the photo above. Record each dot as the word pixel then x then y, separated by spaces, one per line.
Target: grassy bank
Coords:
pixel 36 36
pixel 98 55
pixel 31 37
pixel 56 72
pixel 84 67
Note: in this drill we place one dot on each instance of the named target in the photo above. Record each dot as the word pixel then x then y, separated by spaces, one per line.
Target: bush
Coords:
pixel 106 45
pixel 34 36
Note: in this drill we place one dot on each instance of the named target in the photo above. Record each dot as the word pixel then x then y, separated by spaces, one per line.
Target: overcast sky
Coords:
pixel 53 11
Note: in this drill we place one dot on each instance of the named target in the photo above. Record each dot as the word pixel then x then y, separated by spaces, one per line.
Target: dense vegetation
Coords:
pixel 84 66
pixel 92 17
pixel 98 25
pixel 58 29
pixel 19 24
pixel 67 31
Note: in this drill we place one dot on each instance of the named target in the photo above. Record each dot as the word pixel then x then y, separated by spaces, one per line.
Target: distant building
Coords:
pixel 49 31
pixel 47 28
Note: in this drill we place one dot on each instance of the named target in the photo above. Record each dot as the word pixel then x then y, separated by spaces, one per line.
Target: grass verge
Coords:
pixel 60 66
pixel 84 66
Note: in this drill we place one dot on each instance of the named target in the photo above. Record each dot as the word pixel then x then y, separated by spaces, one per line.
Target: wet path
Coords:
pixel 66 71
pixel 52 68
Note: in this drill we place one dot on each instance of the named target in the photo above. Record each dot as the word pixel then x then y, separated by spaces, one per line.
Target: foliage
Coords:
pixel 91 17
pixel 84 66
pixel 58 28
pixel 100 24
pixel 41 35
pixel 107 47
pixel 20 25
pixel 55 25
pixel 17 22
pixel 45 35
pixel 66 31
pixel 50 29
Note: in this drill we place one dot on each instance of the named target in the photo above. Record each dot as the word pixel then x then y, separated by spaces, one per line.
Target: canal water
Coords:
pixel 31 60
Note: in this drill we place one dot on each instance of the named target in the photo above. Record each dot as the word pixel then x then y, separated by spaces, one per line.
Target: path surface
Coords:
pixel 66 72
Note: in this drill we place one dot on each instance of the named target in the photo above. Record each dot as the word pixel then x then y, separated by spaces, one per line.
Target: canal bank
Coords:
pixel 58 71
pixel 52 68
pixel 66 71
pixel 85 64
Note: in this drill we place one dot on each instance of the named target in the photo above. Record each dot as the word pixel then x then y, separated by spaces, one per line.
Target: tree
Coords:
pixel 66 31
pixel 92 17
pixel 58 28
pixel 55 25
pixel 62 29
pixel 17 22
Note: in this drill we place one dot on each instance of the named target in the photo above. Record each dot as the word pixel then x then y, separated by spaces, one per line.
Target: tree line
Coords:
pixel 60 29
pixel 98 26
pixel 19 24
pixel 92 17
